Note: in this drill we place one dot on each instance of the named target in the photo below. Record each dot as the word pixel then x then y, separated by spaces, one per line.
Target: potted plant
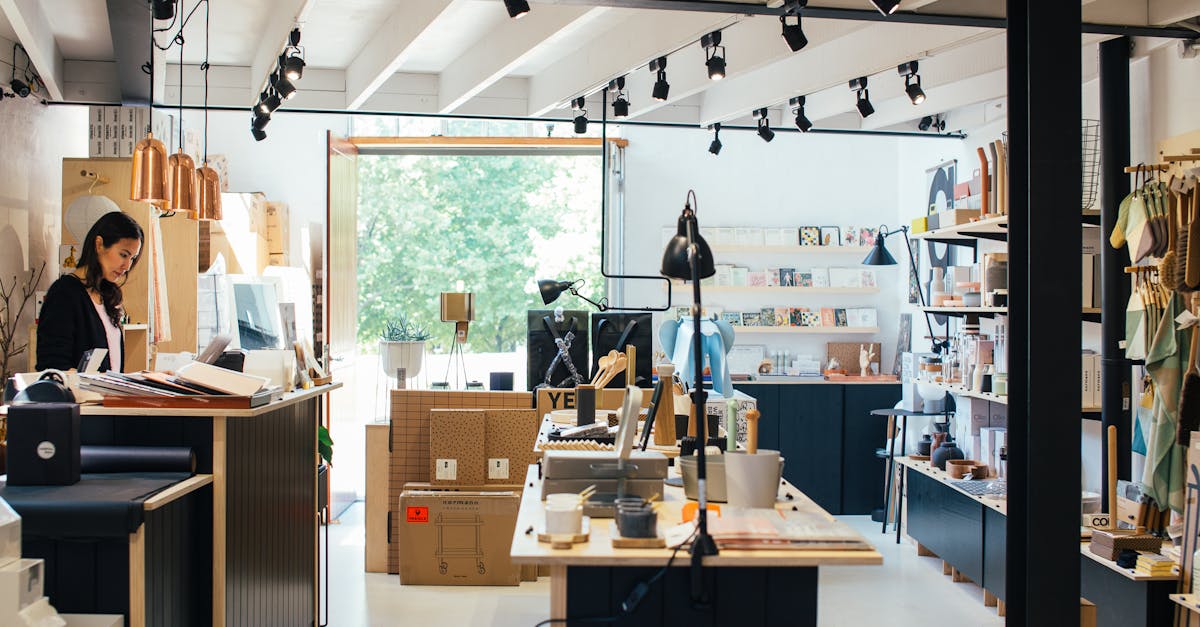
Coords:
pixel 402 345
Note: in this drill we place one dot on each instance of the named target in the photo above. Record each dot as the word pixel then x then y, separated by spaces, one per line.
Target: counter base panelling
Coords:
pixel 1124 603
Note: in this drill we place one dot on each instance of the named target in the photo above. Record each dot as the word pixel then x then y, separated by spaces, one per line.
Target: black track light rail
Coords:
pixel 871 15
pixel 516 118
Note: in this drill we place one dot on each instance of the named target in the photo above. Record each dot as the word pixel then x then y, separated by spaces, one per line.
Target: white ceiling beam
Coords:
pixel 33 30
pixel 945 97
pixel 284 16
pixel 831 65
pixel 507 47
pixel 1165 12
pixel 390 46
pixel 628 45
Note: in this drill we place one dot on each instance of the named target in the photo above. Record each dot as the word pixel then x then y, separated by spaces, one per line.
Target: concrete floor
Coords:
pixel 906 590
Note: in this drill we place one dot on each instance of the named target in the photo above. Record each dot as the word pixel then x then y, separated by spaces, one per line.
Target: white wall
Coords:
pixel 797 180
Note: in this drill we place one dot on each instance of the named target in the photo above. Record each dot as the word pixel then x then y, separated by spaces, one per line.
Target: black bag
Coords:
pixel 43 444
pixel 614 331
pixel 541 348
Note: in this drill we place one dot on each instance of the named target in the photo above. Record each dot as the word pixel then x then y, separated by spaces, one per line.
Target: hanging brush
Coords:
pixel 1189 398
pixel 1166 267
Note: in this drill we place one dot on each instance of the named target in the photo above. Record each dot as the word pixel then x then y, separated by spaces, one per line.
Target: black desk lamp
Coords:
pixel 688 257
pixel 552 289
pixel 879 256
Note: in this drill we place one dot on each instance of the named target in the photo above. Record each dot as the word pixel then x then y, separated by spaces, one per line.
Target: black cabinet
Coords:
pixel 995 539
pixel 948 523
pixel 810 438
pixel 862 471
pixel 767 397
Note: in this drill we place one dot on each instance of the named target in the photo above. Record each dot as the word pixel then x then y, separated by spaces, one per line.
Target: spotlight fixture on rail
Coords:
pixel 912 82
pixel 793 34
pixel 764 125
pixel 517 9
pixel 714 55
pixel 581 121
pixel 886 7
pixel 715 146
pixel 932 122
pixel 291 61
pixel 859 86
pixel 620 103
pixel 802 122
pixel 661 87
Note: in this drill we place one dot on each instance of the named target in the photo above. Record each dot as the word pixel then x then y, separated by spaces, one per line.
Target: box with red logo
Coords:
pixel 458 538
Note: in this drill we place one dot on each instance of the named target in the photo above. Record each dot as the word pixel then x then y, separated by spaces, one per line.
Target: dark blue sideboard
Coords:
pixel 828 437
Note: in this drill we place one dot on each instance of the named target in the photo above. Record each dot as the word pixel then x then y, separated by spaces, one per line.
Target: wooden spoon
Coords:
pixel 618 366
pixel 752 431
pixel 603 365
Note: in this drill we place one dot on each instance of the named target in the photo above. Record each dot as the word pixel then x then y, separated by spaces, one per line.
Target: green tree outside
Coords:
pixel 495 222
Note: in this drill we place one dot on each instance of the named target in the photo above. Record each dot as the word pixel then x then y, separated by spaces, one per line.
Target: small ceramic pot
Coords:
pixel 637 522
pixel 924 445
pixel 944 453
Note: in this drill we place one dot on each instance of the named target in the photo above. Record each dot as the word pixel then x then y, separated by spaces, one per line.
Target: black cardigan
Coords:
pixel 69 326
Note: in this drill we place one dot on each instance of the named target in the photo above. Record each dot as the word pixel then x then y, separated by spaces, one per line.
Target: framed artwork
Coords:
pixel 831 236
pixel 810 236
pixel 850 237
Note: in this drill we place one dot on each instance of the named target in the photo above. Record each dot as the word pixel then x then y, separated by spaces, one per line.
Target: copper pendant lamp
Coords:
pixel 208 183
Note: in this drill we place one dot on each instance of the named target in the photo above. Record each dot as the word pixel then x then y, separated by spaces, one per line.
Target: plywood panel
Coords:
pixel 377 498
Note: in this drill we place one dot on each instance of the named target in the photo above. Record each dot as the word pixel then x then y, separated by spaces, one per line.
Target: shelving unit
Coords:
pixel 1128 573
pixel 1190 601
pixel 810 330
pixel 822 250
pixel 1091 413
pixel 759 289
pixel 992 228
pixel 961 311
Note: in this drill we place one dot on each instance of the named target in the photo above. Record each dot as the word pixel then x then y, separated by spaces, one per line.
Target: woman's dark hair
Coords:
pixel 111 228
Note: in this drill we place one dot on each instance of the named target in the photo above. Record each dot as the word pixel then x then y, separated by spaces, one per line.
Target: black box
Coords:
pixel 43 444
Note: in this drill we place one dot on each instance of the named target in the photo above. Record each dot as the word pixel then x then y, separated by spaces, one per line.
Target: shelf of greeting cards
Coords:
pixel 828 250
pixel 810 330
pixel 778 289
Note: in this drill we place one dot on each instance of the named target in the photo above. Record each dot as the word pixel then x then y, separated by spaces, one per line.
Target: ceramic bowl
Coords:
pixel 959 468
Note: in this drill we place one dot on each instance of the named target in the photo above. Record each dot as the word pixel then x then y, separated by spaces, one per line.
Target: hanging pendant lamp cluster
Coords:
pixel 174 184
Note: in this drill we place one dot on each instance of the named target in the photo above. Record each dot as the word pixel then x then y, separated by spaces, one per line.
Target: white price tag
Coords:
pixel 498 468
pixel 447 470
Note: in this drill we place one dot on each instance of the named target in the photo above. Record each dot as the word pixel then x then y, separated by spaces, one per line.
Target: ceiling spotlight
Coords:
pixel 859 85
pixel 802 122
pixel 715 146
pixel 714 54
pixel 620 104
pixel 581 121
pixel 164 9
pixel 793 34
pixel 886 7
pixel 19 87
pixel 269 103
pixel 516 8
pixel 764 125
pixel 283 87
pixel 934 122
pixel 293 66
pixel 912 82
pixel 661 87
pixel 258 134
pixel 259 122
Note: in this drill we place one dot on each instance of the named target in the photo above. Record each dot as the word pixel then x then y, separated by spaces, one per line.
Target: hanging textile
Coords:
pixel 1165 364
pixel 1144 417
pixel 160 319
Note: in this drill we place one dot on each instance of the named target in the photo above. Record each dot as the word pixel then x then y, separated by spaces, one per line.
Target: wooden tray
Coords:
pixel 621 542
pixel 565 541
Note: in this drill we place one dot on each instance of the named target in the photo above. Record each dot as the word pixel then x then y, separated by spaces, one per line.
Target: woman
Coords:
pixel 83 310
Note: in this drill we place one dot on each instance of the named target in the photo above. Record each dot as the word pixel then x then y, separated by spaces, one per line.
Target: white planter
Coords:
pixel 407 355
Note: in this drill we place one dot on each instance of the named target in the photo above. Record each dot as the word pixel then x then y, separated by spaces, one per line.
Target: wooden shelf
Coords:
pixel 1000 504
pixel 818 250
pixel 961 391
pixel 960 311
pixel 991 228
pixel 1128 573
pixel 810 330
pixel 1190 601
pixel 789 290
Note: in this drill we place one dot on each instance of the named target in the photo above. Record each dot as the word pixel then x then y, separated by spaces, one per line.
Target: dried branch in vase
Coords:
pixel 10 317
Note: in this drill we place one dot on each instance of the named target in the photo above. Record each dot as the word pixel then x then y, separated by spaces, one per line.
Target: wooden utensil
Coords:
pixel 1001 178
pixel 1112 477
pixel 1192 279
pixel 664 413
pixel 617 367
pixel 602 366
pixel 631 360
pixel 985 182
pixel 752 431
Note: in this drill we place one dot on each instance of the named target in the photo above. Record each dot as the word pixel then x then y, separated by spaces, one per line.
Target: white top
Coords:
pixel 113 333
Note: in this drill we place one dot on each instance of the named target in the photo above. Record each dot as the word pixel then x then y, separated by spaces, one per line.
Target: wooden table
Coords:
pixel 749 587
pixel 263 463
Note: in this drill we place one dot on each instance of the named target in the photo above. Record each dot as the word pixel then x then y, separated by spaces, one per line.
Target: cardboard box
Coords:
pixel 458 538
pixel 456 446
pixel 509 437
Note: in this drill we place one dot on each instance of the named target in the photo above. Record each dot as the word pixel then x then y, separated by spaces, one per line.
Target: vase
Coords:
pixel 407 355
pixel 944 453
pixel 924 445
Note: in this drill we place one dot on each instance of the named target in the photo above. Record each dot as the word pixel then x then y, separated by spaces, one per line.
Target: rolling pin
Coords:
pixel 664 414
pixel 1112 477
pixel 752 432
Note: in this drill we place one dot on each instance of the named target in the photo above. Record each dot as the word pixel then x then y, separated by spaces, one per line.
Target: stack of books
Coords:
pixel 196 384
pixel 1154 565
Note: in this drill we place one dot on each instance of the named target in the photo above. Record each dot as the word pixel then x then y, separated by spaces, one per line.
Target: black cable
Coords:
pixel 204 68
pixel 635 596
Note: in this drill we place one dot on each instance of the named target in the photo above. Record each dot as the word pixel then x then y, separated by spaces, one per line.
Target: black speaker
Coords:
pixel 43 444
pixel 500 381
pixel 542 330
pixel 615 331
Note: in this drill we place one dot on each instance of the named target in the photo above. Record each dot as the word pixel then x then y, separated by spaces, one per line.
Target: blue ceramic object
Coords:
pixel 944 453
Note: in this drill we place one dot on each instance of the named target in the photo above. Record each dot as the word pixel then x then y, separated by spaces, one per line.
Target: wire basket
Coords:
pixel 1090 162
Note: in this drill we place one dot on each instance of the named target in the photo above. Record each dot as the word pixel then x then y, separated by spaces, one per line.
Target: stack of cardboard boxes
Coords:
pixel 113 131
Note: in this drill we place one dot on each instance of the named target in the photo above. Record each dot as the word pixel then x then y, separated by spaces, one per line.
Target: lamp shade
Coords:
pixel 208 194
pixel 551 289
pixel 149 182
pixel 675 258
pixel 181 181
pixel 879 256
